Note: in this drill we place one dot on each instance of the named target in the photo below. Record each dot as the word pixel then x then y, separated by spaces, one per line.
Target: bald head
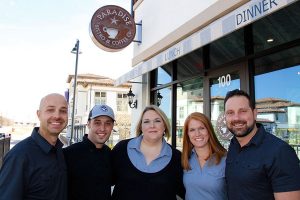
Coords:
pixel 51 97
pixel 53 115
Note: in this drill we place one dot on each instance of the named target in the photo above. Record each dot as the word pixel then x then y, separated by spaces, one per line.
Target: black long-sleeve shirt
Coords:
pixel 132 184
pixel 89 171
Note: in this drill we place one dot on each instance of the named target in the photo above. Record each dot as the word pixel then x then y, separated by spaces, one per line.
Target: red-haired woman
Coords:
pixel 203 160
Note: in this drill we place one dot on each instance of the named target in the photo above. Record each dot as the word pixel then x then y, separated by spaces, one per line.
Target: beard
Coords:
pixel 241 132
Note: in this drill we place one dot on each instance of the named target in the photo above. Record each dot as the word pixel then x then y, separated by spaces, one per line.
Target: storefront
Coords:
pixel 255 47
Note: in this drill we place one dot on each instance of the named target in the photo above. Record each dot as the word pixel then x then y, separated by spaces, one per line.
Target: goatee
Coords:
pixel 245 133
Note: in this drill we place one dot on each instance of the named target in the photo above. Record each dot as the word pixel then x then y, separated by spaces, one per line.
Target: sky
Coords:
pixel 36 37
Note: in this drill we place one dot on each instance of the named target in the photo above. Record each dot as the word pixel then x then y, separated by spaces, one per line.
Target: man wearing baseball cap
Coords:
pixel 89 161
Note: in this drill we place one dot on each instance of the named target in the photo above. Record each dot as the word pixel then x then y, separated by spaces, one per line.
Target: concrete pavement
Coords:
pixel 21 132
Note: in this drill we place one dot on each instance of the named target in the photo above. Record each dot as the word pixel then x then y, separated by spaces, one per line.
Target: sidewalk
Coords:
pixel 19 133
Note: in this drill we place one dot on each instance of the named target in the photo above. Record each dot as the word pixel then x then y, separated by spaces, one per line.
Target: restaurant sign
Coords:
pixel 112 28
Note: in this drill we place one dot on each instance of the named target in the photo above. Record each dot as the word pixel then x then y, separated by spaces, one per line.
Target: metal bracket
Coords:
pixel 139 33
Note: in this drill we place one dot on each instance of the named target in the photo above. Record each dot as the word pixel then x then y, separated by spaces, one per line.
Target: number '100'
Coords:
pixel 224 80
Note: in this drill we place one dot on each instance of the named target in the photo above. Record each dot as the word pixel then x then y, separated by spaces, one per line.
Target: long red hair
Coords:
pixel 215 146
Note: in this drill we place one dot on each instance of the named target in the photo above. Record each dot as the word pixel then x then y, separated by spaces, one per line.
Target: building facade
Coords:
pixel 192 53
pixel 92 90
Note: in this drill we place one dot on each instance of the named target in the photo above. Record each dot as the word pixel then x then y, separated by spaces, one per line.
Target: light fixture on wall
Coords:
pixel 130 95
pixel 159 97
pixel 270 40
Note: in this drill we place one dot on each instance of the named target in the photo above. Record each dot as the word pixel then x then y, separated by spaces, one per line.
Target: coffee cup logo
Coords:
pixel 221 128
pixel 112 28
pixel 112 32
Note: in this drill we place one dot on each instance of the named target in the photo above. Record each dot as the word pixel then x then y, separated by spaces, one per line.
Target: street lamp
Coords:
pixel 159 98
pixel 130 96
pixel 75 50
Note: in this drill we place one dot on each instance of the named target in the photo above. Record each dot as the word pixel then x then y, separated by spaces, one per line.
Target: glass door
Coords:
pixel 189 99
pixel 220 83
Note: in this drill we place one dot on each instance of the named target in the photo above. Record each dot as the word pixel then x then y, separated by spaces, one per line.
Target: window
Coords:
pixel 122 104
pixel 277 93
pixel 164 74
pixel 181 112
pixel 100 98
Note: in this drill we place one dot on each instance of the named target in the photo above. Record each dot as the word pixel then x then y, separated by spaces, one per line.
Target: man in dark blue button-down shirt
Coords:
pixel 35 167
pixel 259 165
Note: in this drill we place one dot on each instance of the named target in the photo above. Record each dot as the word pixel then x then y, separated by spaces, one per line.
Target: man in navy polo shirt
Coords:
pixel 259 165
pixel 35 167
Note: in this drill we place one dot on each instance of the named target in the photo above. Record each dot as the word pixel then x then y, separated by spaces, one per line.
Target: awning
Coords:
pixel 246 14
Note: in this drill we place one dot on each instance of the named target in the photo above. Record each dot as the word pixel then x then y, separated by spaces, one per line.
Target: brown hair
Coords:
pixel 138 130
pixel 214 144
pixel 238 93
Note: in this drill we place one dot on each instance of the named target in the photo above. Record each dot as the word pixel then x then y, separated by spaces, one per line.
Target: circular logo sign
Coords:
pixel 112 28
pixel 222 129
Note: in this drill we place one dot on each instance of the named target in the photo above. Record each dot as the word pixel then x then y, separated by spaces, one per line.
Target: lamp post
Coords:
pixel 75 50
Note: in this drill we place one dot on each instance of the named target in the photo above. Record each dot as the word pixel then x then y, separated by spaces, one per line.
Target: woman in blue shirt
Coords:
pixel 203 160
